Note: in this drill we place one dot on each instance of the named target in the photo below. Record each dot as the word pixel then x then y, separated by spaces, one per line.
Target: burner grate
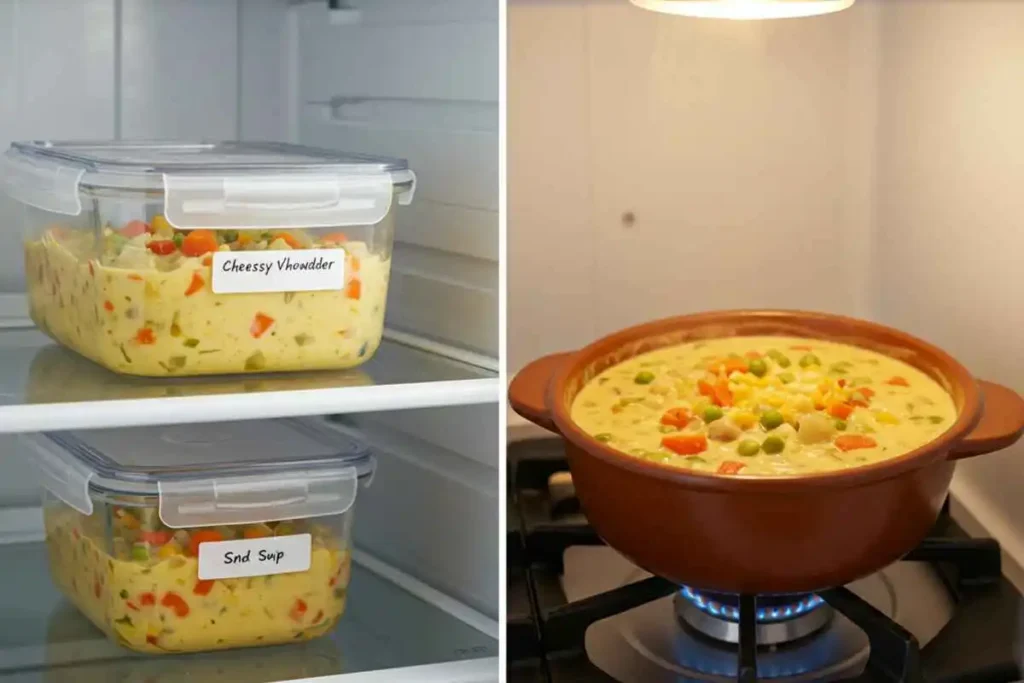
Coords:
pixel 970 567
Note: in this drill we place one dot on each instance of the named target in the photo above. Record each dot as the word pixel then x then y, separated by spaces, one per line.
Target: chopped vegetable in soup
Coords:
pixel 764 406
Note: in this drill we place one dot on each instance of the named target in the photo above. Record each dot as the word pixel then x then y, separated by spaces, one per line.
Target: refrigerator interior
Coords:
pixel 860 163
pixel 404 78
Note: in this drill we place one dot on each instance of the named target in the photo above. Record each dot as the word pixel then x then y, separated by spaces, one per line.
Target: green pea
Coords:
pixel 229 236
pixel 178 239
pixel 644 377
pixel 712 413
pixel 786 377
pixel 123 594
pixel 841 425
pixel 748 447
pixel 140 552
pixel 771 419
pixel 604 437
pixel 773 445
pixel 780 359
pixel 809 359
pixel 757 367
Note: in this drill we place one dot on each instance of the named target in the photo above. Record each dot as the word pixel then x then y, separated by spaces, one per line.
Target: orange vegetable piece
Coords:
pixel 132 606
pixel 196 284
pixel 354 289
pixel 685 444
pixel 730 467
pixel 897 382
pixel 801 347
pixel 162 247
pixel 147 599
pixel 706 388
pixel 723 396
pixel 866 392
pixel 728 366
pixel 199 242
pixel 200 537
pixel 145 335
pixel 155 537
pixel 851 442
pixel 151 639
pixel 108 306
pixel 298 609
pixel 208 261
pixel 256 532
pixel 136 277
pixel 334 238
pixel 176 603
pixel 260 324
pixel 203 587
pixel 676 417
pixel 353 264
pixel 289 239
pixel 840 410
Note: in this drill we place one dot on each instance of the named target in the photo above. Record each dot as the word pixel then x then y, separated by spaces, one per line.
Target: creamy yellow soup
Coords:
pixel 142 304
pixel 141 587
pixel 764 406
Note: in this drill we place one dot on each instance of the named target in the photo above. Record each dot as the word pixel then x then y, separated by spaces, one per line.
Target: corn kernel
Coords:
pixel 743 419
pixel 169 550
pixel 887 418
pixel 775 400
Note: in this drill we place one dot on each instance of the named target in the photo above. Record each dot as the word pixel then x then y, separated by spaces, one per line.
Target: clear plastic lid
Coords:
pixel 208 474
pixel 214 184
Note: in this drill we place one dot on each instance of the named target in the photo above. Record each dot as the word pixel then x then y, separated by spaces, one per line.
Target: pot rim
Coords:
pixel 931 453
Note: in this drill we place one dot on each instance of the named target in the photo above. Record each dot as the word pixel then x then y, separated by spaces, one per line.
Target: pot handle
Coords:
pixel 1001 425
pixel 527 393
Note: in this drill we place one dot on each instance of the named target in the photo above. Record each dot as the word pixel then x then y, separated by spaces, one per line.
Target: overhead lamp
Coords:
pixel 745 9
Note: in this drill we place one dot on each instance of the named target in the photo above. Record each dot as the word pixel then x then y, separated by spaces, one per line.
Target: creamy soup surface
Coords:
pixel 767 406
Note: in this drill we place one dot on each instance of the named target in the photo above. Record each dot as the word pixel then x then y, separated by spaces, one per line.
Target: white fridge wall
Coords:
pixel 863 163
pixel 421 82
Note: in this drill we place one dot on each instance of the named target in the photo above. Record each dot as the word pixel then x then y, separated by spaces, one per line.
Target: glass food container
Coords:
pixel 202 537
pixel 167 259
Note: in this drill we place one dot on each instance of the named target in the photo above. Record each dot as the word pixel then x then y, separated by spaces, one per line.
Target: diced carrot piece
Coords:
pixel 260 324
pixel 244 238
pixel 867 392
pixel 730 467
pixel 706 388
pixel 723 396
pixel 298 609
pixel 151 639
pixel 898 382
pixel 155 537
pixel 200 537
pixel 134 229
pixel 840 410
pixel 145 335
pixel 108 306
pixel 354 290
pixel 841 383
pixel 728 366
pixel 136 277
pixel 354 264
pixel 686 444
pixel 259 531
pixel 676 417
pixel 289 239
pixel 162 247
pixel 208 261
pixel 203 587
pixel 132 606
pixel 147 599
pixel 176 603
pixel 851 442
pixel 334 238
pixel 199 242
pixel 196 284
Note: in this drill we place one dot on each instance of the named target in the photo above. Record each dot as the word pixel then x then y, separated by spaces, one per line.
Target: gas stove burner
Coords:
pixel 780 618
pixel 770 607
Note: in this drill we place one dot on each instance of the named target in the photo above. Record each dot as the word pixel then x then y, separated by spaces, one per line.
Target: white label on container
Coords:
pixel 254 557
pixel 301 270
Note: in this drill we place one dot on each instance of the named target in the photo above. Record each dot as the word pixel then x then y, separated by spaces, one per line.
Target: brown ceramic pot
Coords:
pixel 760 535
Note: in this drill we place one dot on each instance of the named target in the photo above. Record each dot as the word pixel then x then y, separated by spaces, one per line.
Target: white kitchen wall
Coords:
pixel 950 210
pixel 865 163
pixel 659 166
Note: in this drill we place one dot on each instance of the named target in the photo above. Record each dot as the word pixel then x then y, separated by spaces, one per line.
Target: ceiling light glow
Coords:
pixel 745 9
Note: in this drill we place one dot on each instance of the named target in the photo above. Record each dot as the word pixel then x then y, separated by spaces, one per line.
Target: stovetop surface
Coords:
pixel 965 616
